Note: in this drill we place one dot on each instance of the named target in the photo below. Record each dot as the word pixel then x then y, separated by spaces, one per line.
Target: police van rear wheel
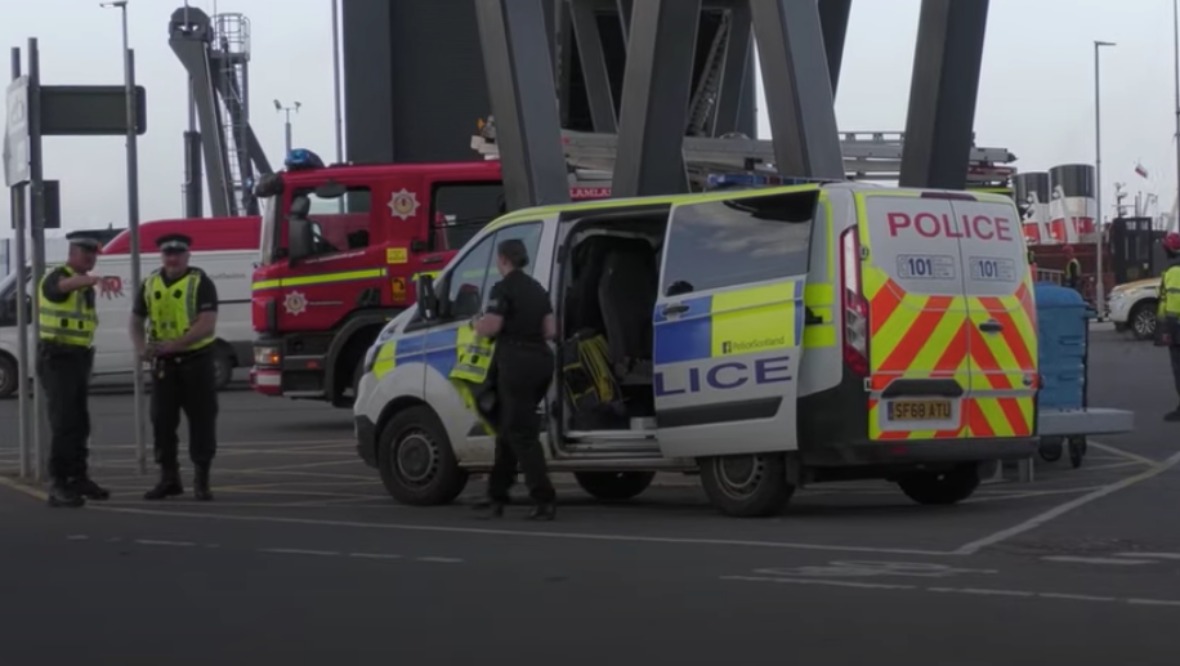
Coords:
pixel 940 488
pixel 417 464
pixel 614 486
pixel 8 375
pixel 748 485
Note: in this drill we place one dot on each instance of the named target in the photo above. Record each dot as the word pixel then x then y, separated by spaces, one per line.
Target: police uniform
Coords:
pixel 181 380
pixel 1073 273
pixel 1169 320
pixel 522 369
pixel 65 356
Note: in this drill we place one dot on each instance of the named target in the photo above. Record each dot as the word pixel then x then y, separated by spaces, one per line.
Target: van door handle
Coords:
pixel 991 326
pixel 674 309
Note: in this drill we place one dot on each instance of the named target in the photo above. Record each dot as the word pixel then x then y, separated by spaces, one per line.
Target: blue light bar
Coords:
pixel 300 159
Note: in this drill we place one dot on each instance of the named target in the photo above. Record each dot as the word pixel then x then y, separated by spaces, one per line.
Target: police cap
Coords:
pixel 80 239
pixel 174 243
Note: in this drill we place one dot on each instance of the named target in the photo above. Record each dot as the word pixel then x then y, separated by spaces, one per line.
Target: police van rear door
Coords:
pixel 1002 329
pixel 920 374
pixel 729 321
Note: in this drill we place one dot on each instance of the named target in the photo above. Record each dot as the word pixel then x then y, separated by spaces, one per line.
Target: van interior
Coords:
pixel 609 288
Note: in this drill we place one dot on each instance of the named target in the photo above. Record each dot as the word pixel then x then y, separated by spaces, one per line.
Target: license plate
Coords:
pixel 920 410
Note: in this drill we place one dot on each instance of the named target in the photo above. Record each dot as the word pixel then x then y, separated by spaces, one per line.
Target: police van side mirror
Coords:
pixel 301 239
pixel 427 298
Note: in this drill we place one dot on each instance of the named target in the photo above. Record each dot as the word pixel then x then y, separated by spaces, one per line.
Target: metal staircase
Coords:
pixel 703 105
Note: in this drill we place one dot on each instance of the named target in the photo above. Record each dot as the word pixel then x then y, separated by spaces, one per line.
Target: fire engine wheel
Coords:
pixel 949 487
pixel 417 464
pixel 614 486
pixel 8 376
pixel 747 486
pixel 1143 321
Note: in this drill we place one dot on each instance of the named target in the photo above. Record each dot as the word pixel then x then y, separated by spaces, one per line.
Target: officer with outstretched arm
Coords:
pixel 65 356
pixel 1169 312
pixel 178 305
pixel 520 318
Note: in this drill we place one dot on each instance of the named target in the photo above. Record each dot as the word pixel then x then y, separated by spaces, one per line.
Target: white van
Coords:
pixel 229 263
pixel 765 338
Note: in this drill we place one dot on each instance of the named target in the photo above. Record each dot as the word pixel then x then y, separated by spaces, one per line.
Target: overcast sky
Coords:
pixel 1036 97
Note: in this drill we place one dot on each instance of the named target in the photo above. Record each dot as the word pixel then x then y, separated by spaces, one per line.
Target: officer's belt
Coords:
pixel 183 357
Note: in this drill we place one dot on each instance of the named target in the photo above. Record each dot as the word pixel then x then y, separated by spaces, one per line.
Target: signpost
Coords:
pixel 34 111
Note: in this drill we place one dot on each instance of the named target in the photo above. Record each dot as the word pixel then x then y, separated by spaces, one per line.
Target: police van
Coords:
pixel 765 339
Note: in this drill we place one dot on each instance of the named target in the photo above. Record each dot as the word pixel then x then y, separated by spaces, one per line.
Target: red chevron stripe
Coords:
pixel 884 304
pixel 1015 416
pixel 1010 332
pixel 919 334
pixel 979 425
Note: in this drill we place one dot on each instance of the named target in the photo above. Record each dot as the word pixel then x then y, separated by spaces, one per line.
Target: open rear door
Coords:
pixel 728 323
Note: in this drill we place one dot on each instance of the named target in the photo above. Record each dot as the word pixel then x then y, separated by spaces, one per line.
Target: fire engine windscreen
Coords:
pixel 339 218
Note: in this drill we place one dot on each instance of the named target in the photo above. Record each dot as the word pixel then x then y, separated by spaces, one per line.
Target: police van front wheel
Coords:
pixel 417 464
pixel 747 486
pixel 949 487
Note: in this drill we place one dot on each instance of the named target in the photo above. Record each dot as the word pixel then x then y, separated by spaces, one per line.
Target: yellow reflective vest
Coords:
pixel 71 322
pixel 1169 303
pixel 172 309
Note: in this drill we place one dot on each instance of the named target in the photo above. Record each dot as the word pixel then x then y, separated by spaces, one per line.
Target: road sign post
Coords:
pixel 16 173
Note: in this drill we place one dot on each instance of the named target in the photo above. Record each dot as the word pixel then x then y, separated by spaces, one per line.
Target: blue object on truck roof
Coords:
pixel 301 158
pixel 1063 321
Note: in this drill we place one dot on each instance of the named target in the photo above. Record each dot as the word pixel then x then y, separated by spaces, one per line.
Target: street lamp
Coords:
pixel 287 123
pixel 1100 286
pixel 132 208
pixel 1176 67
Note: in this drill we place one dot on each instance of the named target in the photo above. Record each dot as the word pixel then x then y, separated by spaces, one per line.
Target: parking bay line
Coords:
pixel 1060 510
pixel 972 591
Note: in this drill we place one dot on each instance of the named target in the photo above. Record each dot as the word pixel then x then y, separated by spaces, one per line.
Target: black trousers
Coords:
pixel 1175 354
pixel 65 376
pixel 522 377
pixel 185 383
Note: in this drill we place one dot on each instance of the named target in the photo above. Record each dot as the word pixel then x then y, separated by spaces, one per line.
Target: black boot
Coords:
pixel 201 484
pixel 63 495
pixel 543 511
pixel 86 487
pixel 169 485
pixel 489 508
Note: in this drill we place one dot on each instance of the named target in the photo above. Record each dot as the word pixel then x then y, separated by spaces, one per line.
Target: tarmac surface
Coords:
pixel 304 559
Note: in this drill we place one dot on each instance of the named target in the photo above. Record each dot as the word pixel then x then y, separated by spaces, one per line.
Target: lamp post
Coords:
pixel 1099 287
pixel 287 123
pixel 132 212
pixel 336 81
pixel 1176 69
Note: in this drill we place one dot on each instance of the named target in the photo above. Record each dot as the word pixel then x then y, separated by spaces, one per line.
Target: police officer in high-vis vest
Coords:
pixel 178 304
pixel 64 356
pixel 1073 270
pixel 1169 312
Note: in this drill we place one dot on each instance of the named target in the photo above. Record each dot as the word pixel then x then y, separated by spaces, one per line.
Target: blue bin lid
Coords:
pixel 1050 295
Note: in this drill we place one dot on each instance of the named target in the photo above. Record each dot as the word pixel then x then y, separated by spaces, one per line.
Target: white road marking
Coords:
pixel 375 556
pixel 864 569
pixel 77 537
pixel 971 591
pixel 1154 556
pixel 1096 560
pixel 538 534
pixel 1058 511
pixel 1123 454
pixel 299 551
pixel 159 542
pixel 441 560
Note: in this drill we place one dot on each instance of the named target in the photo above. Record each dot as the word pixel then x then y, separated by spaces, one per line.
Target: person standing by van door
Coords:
pixel 180 302
pixel 65 356
pixel 520 317
pixel 1169 312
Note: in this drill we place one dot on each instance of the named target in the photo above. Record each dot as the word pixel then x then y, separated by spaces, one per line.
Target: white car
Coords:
pixel 1133 307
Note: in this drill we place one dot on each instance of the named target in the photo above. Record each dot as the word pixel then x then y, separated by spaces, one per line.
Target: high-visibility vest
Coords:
pixel 474 356
pixel 71 322
pixel 172 309
pixel 1169 302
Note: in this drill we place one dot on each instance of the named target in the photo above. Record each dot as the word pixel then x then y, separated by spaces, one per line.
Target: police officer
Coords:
pixel 1169 311
pixel 1073 270
pixel 520 318
pixel 179 304
pixel 65 356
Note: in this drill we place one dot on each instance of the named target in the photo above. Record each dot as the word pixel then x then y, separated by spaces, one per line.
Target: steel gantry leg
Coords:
pixel 584 17
pixel 738 60
pixel 943 91
pixel 524 101
pixel 833 18
pixel 656 90
pixel 798 88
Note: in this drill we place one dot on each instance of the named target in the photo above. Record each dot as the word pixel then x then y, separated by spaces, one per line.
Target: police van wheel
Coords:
pixel 223 369
pixel 417 464
pixel 8 375
pixel 747 486
pixel 1143 321
pixel 949 487
pixel 614 486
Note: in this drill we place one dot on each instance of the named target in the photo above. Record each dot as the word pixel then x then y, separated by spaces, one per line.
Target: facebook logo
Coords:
pixel 726 347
